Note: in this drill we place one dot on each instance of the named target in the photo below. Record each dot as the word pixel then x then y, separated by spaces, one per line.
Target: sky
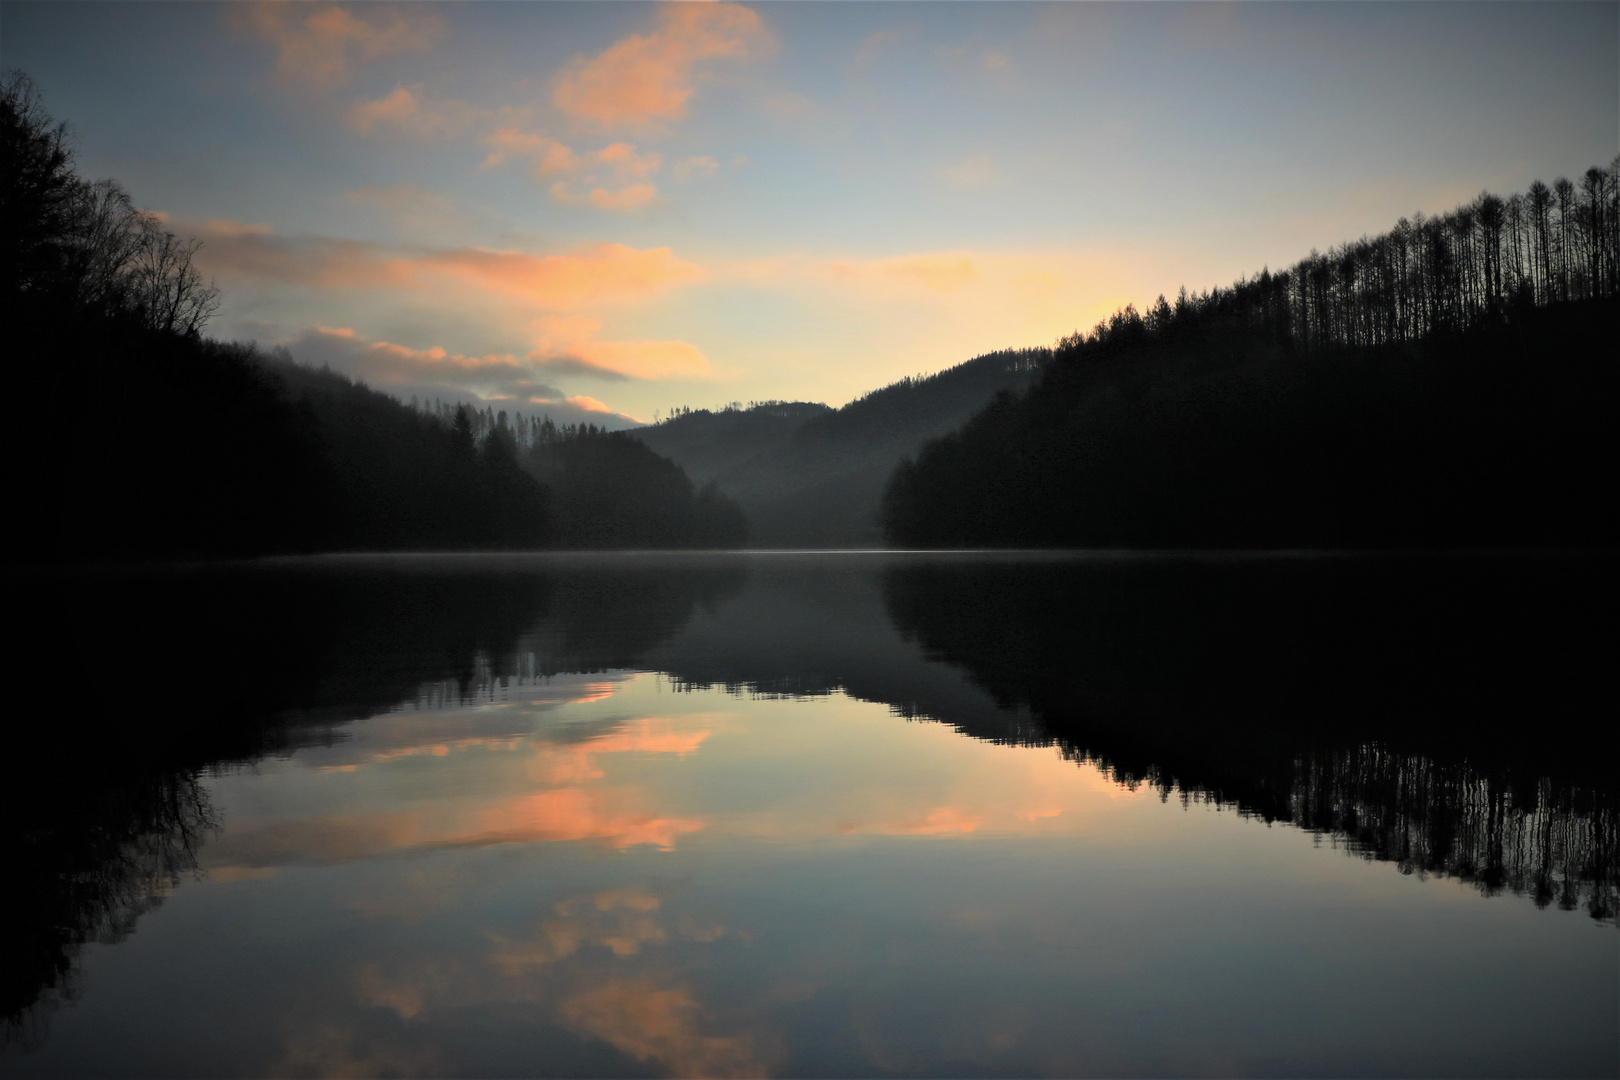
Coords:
pixel 600 211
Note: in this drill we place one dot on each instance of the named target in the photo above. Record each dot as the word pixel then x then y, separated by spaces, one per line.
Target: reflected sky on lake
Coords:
pixel 634 870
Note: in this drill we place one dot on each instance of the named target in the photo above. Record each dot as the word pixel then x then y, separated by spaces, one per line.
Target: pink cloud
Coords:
pixel 549 157
pixel 591 273
pixel 646 78
pixel 568 344
pixel 406 113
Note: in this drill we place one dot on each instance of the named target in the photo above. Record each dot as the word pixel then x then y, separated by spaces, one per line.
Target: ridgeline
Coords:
pixel 1450 384
pixel 140 439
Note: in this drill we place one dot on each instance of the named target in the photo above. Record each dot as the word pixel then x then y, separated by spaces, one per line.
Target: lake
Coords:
pixel 840 814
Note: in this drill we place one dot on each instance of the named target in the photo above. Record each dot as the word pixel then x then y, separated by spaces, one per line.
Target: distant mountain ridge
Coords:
pixel 810 476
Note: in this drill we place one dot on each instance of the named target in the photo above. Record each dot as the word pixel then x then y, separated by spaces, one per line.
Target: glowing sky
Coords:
pixel 624 207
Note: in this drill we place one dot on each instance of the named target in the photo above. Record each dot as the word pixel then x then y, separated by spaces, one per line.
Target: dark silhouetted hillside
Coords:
pixel 710 443
pixel 140 439
pixel 613 491
pixel 1449 384
pixel 817 483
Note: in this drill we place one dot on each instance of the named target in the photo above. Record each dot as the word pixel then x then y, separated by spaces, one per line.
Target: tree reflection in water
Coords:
pixel 134 687
pixel 1436 713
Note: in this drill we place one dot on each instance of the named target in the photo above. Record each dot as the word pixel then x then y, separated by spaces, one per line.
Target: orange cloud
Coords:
pixel 573 814
pixel 385 364
pixel 549 156
pixel 406 113
pixel 937 273
pixel 615 177
pixel 592 273
pixel 552 816
pixel 649 77
pixel 567 345
pixel 940 821
pixel 648 1021
pixel 576 763
pixel 322 47
pixel 633 197
pixel 589 404
pixel 620 920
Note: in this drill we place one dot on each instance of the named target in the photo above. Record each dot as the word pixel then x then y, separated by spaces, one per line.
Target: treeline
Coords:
pixel 1431 387
pixel 809 476
pixel 1435 711
pixel 204 668
pixel 1427 275
pixel 141 439
pixel 613 491
pixel 608 489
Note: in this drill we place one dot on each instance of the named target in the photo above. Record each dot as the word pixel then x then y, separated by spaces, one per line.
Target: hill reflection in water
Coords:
pixel 1438 714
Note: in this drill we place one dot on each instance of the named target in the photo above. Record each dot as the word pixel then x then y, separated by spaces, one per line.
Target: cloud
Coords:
pixel 940 821
pixel 647 78
pixel 568 345
pixel 646 1020
pixel 938 273
pixel 590 404
pixel 322 47
pixel 500 379
pixel 405 113
pixel 616 177
pixel 386 365
pixel 626 163
pixel 548 156
pixel 234 249
pixel 592 273
pixel 403 197
pixel 633 197
pixel 696 168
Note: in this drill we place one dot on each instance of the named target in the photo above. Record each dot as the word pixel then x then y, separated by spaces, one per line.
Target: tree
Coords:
pixel 37 188
pixel 165 288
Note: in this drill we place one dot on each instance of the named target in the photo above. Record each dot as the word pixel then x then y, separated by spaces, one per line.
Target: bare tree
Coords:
pixel 166 288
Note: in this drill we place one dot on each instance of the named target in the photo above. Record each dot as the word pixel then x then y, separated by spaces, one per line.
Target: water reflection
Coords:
pixel 134 686
pixel 1438 713
pixel 627 816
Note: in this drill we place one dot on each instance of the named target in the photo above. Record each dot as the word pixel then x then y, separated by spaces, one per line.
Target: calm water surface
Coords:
pixel 806 815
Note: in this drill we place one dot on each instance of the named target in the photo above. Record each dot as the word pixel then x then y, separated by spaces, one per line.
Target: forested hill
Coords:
pixel 138 438
pixel 1451 383
pixel 808 476
pixel 710 443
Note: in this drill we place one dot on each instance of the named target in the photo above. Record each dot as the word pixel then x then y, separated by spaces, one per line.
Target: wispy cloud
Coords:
pixel 323 47
pixel 568 345
pixel 591 273
pixel 402 370
pixel 407 112
pixel 650 78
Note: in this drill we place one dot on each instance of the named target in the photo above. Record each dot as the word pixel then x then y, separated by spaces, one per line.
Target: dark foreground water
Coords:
pixel 836 815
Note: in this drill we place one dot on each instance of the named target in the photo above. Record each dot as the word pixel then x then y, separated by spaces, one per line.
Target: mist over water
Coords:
pixel 838 814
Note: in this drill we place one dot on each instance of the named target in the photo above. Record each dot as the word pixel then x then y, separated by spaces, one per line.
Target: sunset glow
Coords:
pixel 603 211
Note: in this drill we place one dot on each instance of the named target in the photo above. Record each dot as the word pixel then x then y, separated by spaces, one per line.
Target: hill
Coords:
pixel 144 440
pixel 808 476
pixel 1449 384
